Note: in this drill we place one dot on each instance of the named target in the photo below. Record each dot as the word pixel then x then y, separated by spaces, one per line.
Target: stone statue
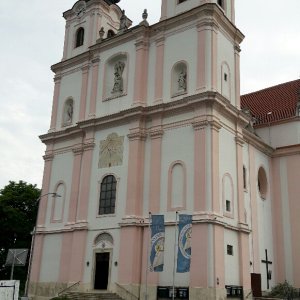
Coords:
pixel 118 81
pixel 182 81
pixel 123 22
pixel 69 113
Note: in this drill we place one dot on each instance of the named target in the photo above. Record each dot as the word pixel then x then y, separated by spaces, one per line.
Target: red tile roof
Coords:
pixel 281 100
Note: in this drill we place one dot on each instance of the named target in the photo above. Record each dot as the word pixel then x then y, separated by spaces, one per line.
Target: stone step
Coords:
pixel 91 296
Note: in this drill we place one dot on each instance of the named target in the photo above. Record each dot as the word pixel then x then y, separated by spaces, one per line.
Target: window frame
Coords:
pixel 79 40
pixel 229 250
pixel 108 195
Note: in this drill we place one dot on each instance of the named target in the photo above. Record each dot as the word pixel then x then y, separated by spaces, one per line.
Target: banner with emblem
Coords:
pixel 157 243
pixel 184 243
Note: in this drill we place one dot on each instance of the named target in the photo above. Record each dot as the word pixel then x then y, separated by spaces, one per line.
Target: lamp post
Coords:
pixel 32 244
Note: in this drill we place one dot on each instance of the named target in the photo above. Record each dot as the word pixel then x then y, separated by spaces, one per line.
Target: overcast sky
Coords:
pixel 32 40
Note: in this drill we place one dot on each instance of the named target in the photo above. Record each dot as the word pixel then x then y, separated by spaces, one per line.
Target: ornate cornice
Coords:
pixel 156 133
pixel 140 135
pixel 199 124
pixel 48 157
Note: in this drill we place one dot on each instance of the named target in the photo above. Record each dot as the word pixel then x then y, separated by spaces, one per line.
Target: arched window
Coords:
pixel 79 37
pixel 110 33
pixel 108 195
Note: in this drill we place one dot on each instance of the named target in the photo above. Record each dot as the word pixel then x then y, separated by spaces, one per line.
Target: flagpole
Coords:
pixel 147 265
pixel 175 248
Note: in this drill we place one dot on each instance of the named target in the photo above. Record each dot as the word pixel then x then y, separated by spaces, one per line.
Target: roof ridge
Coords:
pixel 271 87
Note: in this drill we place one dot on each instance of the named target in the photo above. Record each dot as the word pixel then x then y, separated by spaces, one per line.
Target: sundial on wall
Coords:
pixel 111 151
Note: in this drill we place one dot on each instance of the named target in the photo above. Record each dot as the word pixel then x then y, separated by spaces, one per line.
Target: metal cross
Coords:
pixel 267 262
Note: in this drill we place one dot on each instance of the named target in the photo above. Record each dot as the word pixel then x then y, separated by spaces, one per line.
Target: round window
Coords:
pixel 262 182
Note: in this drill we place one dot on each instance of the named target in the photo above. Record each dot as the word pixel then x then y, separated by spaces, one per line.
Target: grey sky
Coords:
pixel 32 40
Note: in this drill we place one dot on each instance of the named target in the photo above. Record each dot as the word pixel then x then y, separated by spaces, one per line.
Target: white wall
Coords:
pixel 50 259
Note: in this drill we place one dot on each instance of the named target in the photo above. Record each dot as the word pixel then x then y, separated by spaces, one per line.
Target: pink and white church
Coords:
pixel 149 118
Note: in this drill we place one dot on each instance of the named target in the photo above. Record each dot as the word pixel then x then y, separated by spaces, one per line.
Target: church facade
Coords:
pixel 150 119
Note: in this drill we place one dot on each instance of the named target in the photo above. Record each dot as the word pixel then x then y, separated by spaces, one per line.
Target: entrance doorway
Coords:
pixel 101 271
pixel 256 284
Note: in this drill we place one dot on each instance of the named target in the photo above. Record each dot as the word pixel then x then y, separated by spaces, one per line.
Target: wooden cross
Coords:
pixel 267 262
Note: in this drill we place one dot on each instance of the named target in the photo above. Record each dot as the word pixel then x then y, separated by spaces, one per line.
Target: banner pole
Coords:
pixel 147 264
pixel 175 248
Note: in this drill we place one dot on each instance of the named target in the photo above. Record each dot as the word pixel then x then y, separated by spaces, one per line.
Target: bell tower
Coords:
pixel 171 8
pixel 87 21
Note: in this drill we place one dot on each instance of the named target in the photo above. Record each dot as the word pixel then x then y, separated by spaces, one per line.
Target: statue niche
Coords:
pixel 68 113
pixel 179 79
pixel 118 80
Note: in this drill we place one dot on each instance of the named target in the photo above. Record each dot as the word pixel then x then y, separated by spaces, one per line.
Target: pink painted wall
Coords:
pixel 130 255
pixel 293 167
pixel 277 223
pixel 199 263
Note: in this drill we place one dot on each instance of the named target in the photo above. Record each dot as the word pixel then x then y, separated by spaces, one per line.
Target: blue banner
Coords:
pixel 184 243
pixel 157 243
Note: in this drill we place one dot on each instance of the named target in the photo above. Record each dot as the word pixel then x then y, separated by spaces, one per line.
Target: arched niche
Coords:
pixel 116 76
pixel 228 195
pixel 58 203
pixel 226 81
pixel 179 79
pixel 177 186
pixel 68 112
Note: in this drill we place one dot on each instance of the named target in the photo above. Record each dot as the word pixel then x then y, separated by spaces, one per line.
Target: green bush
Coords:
pixel 283 290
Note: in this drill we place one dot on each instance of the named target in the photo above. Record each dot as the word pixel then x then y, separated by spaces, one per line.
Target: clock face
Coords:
pixel 111 151
pixel 80 8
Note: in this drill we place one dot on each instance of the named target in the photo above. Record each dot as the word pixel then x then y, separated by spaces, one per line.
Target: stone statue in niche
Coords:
pixel 182 81
pixel 118 80
pixel 68 117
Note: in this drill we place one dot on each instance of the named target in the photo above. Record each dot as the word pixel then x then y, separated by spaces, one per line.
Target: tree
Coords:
pixel 18 212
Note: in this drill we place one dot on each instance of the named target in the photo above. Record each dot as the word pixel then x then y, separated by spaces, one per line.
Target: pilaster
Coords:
pixel 156 134
pixel 135 179
pixel 141 71
pixel 95 84
pixel 85 181
pixel 200 164
pixel 159 69
pixel 237 51
pixel 73 206
pixel 57 84
pixel 84 88
pixel 244 255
